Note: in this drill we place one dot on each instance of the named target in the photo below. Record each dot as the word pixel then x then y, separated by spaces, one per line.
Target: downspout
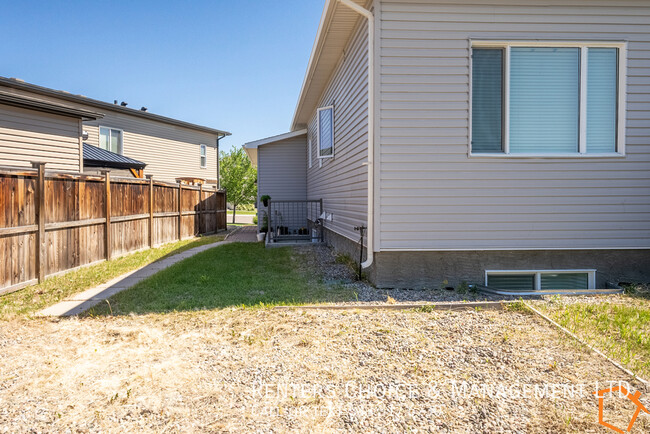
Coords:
pixel 371 127
pixel 218 180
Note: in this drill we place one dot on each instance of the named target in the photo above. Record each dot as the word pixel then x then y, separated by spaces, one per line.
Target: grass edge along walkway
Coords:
pixel 28 300
pixel 81 302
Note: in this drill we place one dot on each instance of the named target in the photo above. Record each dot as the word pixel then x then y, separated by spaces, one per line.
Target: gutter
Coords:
pixel 371 127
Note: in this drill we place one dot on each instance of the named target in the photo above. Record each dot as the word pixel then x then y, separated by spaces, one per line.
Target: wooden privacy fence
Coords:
pixel 55 221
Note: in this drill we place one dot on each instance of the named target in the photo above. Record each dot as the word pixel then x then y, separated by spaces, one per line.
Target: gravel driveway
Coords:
pixel 311 371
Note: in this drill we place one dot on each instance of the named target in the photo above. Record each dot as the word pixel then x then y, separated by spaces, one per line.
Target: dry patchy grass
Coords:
pixel 235 370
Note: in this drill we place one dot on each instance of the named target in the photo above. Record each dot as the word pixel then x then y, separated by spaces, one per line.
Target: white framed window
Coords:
pixel 111 139
pixel 536 280
pixel 204 156
pixel 547 99
pixel 325 131
pixel 309 153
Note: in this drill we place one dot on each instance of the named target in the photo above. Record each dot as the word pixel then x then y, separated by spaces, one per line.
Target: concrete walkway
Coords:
pixel 243 234
pixel 78 303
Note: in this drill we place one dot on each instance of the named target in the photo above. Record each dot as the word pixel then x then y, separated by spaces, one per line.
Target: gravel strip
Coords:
pixel 323 260
pixel 319 371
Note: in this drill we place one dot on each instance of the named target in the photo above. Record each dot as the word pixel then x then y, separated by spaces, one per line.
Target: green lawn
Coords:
pixel 237 274
pixel 620 328
pixel 54 289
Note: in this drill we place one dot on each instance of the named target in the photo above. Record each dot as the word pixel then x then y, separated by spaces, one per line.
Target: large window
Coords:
pixel 325 121
pixel 110 139
pixel 562 99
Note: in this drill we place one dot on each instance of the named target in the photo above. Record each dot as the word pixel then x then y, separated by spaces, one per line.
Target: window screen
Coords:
pixel 326 132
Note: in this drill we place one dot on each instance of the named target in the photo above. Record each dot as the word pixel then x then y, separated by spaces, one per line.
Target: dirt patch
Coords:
pixel 321 371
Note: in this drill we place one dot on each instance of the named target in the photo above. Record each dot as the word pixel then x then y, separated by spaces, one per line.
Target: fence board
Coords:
pixel 74 220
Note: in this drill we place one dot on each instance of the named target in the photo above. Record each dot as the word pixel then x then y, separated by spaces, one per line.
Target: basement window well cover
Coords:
pixel 535 280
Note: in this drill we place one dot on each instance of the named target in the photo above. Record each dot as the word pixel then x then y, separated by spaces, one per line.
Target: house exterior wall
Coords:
pixel 29 135
pixel 433 196
pixel 169 151
pixel 281 172
pixel 342 181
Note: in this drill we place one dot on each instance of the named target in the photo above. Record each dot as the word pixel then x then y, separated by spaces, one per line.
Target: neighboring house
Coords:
pixel 35 130
pixel 509 142
pixel 170 148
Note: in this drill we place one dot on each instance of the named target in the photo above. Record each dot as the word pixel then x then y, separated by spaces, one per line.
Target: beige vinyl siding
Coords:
pixel 169 151
pixel 281 169
pixel 29 135
pixel 342 181
pixel 433 196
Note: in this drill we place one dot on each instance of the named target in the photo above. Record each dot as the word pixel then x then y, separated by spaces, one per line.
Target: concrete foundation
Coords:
pixel 431 269
pixel 418 270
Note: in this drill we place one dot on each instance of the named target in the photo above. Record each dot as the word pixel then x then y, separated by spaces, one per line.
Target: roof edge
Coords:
pixel 272 139
pixel 47 107
pixel 324 24
pixel 19 84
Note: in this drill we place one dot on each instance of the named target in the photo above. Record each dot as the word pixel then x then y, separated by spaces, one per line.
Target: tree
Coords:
pixel 238 177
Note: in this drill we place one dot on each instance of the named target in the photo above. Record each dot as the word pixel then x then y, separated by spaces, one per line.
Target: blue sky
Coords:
pixel 235 65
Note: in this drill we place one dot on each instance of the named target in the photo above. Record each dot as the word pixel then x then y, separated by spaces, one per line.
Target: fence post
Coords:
pixel 107 211
pixel 41 252
pixel 150 177
pixel 200 207
pixel 180 210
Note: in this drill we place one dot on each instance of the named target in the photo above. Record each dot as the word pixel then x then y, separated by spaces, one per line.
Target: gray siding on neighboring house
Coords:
pixel 170 151
pixel 342 181
pixel 29 135
pixel 282 169
pixel 433 196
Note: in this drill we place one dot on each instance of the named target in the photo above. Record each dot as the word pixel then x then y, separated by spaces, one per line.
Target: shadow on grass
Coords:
pixel 56 288
pixel 237 274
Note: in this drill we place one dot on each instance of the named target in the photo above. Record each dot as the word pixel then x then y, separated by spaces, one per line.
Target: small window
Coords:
pixel 204 156
pixel 534 280
pixel 110 139
pixel 532 99
pixel 325 120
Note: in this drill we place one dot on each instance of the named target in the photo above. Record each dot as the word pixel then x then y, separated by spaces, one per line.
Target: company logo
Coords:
pixel 624 393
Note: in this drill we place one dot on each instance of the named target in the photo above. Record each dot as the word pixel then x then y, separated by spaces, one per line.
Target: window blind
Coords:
pixel 487 95
pixel 512 282
pixel 544 99
pixel 602 79
pixel 565 281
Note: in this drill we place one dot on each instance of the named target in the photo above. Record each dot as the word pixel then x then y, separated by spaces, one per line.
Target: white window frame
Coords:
pixel 309 163
pixel 120 147
pixel 320 109
pixel 591 275
pixel 203 149
pixel 583 45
